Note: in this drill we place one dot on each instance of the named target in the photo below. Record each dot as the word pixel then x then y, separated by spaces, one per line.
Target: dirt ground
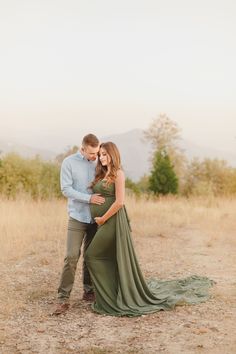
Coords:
pixel 28 295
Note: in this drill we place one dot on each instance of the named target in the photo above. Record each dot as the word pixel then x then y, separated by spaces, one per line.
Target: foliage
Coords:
pixel 132 186
pixel 143 184
pixel 163 179
pixel 34 177
pixel 40 179
pixel 209 177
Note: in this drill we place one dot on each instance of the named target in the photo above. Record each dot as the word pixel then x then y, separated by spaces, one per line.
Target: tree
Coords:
pixel 164 135
pixel 163 179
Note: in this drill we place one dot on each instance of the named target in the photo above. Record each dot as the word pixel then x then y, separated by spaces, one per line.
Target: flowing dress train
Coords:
pixel 119 285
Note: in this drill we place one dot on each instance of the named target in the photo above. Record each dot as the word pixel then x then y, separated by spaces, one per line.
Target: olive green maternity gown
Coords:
pixel 120 288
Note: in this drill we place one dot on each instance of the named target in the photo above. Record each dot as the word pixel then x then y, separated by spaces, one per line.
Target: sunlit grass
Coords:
pixel 213 216
pixel 24 222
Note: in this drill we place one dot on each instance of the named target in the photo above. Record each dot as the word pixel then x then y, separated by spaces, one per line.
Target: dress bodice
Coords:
pixel 108 192
pixel 105 190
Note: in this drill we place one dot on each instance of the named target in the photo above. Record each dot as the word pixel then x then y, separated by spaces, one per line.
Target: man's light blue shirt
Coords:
pixel 77 173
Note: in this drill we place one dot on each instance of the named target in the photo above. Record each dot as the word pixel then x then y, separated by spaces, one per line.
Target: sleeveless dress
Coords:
pixel 119 285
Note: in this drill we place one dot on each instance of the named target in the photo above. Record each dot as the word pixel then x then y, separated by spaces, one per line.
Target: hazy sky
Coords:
pixel 69 67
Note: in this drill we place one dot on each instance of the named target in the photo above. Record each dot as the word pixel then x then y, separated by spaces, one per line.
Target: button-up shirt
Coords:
pixel 77 173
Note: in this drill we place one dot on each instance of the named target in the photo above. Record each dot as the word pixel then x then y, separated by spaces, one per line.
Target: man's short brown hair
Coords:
pixel 91 140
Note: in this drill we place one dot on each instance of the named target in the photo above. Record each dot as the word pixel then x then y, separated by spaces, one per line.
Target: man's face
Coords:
pixel 89 152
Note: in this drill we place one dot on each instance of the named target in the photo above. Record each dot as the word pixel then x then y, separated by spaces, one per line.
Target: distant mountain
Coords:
pixel 25 151
pixel 135 153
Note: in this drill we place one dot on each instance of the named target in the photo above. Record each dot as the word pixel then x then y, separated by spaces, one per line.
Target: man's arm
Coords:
pixel 68 190
pixel 67 185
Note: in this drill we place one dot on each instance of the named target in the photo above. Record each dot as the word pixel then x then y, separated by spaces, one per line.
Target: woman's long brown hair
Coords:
pixel 115 164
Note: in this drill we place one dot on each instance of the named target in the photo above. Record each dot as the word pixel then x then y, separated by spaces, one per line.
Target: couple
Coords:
pixel 112 279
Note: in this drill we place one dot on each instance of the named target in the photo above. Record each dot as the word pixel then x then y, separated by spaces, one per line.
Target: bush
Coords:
pixel 34 177
pixel 209 177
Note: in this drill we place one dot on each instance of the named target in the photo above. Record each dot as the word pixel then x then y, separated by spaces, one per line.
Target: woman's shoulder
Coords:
pixel 120 174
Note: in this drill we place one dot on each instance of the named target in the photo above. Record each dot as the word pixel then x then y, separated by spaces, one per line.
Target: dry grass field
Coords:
pixel 173 238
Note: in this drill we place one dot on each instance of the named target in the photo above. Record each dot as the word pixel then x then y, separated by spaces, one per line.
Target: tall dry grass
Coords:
pixel 213 216
pixel 24 222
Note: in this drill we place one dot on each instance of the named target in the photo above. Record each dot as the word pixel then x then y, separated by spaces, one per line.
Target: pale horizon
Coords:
pixel 73 67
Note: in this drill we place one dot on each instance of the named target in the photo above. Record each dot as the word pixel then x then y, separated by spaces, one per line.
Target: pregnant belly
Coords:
pixel 99 210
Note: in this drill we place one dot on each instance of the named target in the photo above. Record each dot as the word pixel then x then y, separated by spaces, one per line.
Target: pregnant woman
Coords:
pixel 120 288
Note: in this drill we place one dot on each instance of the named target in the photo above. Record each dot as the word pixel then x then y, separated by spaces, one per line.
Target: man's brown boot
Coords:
pixel 89 296
pixel 61 308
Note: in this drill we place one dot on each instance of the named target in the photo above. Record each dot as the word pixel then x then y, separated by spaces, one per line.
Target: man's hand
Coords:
pixel 97 199
pixel 99 220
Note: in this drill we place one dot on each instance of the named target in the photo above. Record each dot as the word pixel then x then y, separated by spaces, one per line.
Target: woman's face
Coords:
pixel 104 157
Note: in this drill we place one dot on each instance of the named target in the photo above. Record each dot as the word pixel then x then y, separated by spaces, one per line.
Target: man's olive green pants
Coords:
pixel 77 233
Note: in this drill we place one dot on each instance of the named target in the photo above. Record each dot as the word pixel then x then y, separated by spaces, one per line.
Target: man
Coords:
pixel 77 173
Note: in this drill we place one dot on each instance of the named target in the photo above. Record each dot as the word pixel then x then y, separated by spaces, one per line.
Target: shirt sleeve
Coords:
pixel 67 185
